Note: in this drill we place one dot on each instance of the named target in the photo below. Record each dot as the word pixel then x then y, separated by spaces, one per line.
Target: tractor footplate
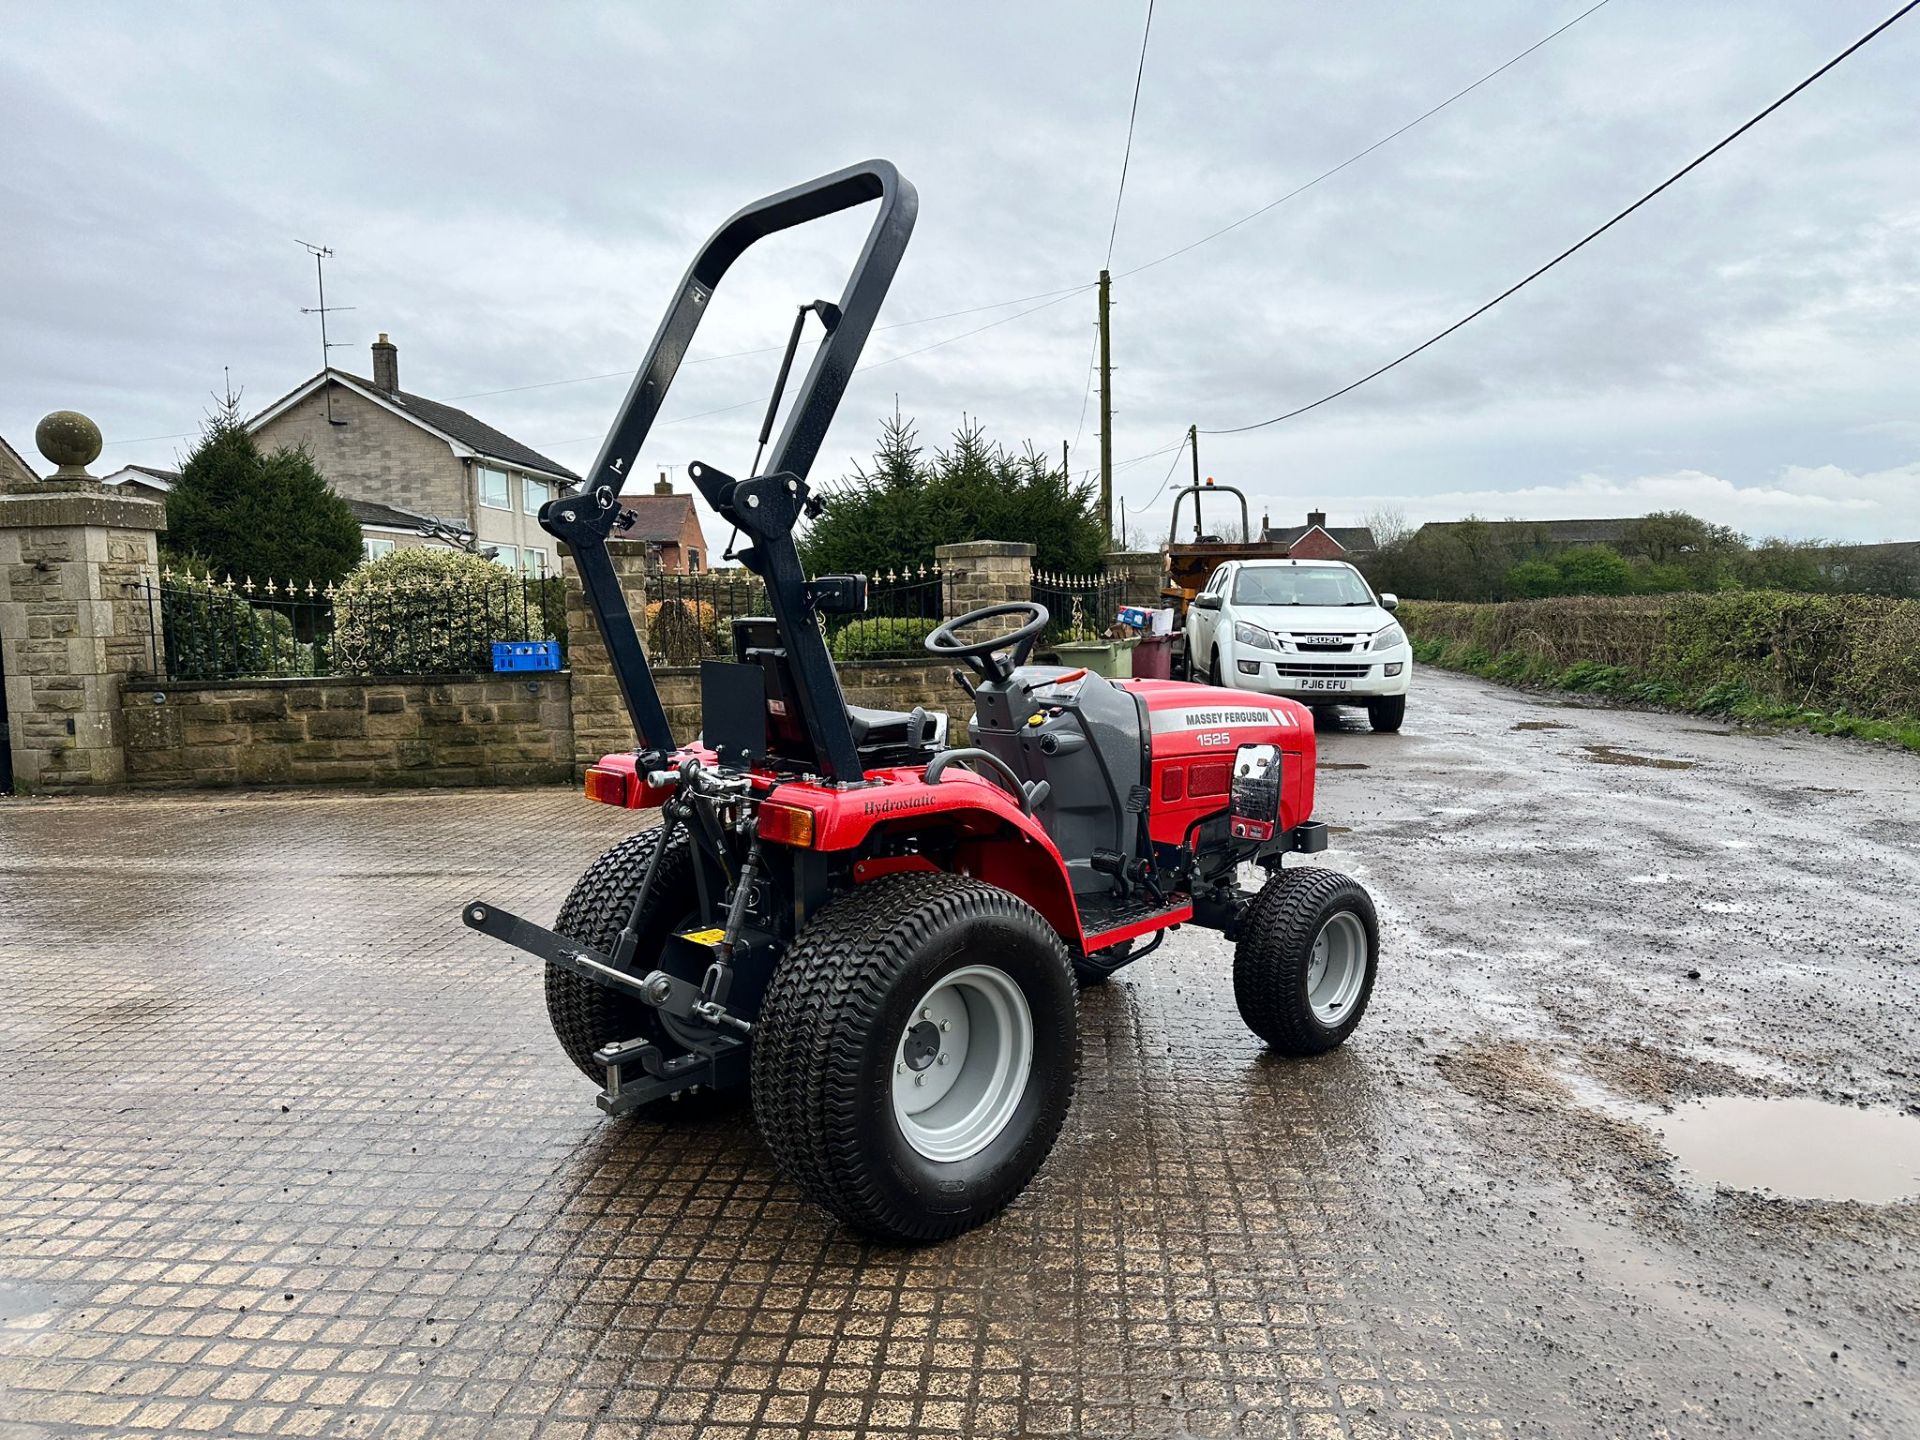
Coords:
pixel 1108 920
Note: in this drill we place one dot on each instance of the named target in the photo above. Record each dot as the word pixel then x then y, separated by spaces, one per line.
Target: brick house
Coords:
pixel 670 526
pixel 403 461
pixel 1316 540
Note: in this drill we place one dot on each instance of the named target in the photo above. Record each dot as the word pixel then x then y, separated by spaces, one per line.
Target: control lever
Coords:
pixel 1129 871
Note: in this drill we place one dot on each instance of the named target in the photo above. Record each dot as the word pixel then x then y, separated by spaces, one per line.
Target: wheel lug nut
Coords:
pixel 946 1024
pixel 943 1059
pixel 926 1014
pixel 899 1069
pixel 919 1079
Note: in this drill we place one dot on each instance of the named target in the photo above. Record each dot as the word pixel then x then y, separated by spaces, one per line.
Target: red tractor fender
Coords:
pixel 998 842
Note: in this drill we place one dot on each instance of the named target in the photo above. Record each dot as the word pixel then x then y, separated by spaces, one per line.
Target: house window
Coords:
pixel 372 549
pixel 693 561
pixel 506 556
pixel 534 493
pixel 493 489
pixel 533 561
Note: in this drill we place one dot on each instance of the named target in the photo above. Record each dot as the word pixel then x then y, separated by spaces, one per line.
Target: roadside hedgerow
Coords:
pixel 1840 664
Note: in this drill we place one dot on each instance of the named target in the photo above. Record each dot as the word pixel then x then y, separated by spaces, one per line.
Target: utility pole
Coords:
pixel 320 255
pixel 1106 408
pixel 1193 448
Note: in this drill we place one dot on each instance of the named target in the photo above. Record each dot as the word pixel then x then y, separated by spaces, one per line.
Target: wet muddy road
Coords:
pixel 285 1150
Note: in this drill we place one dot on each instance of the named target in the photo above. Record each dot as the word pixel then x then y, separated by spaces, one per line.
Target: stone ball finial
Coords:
pixel 70 440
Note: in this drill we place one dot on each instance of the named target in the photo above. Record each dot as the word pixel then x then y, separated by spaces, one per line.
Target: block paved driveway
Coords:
pixel 285 1150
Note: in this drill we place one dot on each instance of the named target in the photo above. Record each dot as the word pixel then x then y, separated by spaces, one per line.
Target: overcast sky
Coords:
pixel 512 192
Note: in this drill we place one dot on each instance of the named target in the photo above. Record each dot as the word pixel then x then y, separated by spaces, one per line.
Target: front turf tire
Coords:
pixel 1304 966
pixel 1385 713
pixel 840 1013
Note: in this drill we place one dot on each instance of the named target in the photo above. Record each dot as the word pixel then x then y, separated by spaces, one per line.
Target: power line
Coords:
pixel 1362 154
pixel 1127 154
pixel 1178 450
pixel 1580 244
pixel 1086 394
pixel 1048 295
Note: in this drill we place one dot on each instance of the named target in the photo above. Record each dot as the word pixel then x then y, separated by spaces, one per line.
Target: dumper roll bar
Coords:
pixel 767 506
pixel 1197 490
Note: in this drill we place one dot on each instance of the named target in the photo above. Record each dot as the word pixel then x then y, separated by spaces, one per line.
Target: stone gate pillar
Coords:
pixel 985 572
pixel 601 724
pixel 1141 573
pixel 72 624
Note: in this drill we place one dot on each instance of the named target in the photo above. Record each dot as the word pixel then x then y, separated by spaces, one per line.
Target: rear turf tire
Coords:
pixel 834 1034
pixel 1304 966
pixel 1386 713
pixel 586 1015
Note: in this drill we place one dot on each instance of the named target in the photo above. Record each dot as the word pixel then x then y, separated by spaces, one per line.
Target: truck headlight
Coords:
pixel 1245 634
pixel 1389 638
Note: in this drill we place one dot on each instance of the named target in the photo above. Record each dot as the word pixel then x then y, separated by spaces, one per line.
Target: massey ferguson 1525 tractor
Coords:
pixel 877 933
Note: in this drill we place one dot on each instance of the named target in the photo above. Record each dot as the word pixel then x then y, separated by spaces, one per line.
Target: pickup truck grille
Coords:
pixel 1332 672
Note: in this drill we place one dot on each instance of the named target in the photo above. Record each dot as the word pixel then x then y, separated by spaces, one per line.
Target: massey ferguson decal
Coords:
pixel 1195 719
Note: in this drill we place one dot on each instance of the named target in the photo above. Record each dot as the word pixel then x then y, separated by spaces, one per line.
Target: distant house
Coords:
pixel 1316 540
pixel 148 482
pixel 13 470
pixel 407 461
pixel 670 526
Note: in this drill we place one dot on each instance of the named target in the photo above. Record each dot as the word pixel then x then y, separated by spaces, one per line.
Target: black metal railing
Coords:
pixel 902 606
pixel 205 629
pixel 1079 607
pixel 690 617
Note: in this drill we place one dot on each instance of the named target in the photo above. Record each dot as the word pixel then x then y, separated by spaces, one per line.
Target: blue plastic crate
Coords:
pixel 526 655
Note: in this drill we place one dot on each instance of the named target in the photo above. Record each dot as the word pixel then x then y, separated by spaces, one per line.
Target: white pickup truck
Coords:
pixel 1312 630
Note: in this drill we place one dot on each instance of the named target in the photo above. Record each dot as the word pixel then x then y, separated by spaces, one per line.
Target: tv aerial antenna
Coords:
pixel 321 254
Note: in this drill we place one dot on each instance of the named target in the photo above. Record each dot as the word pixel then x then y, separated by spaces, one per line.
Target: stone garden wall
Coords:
pixel 427 730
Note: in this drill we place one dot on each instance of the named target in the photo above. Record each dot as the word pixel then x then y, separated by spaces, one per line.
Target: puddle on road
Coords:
pixel 1539 725
pixel 1609 755
pixel 1798 1149
pixel 1343 765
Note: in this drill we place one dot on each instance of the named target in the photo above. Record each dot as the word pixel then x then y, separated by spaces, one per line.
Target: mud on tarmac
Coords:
pixel 284 1149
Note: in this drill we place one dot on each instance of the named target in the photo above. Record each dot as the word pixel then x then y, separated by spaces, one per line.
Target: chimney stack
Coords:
pixel 386 363
pixel 1317 517
pixel 663 486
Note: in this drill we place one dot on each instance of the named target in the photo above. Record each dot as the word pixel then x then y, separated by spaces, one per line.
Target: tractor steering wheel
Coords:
pixel 985 656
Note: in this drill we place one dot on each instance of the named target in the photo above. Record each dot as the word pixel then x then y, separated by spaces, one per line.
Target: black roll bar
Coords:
pixel 1197 490
pixel 584 522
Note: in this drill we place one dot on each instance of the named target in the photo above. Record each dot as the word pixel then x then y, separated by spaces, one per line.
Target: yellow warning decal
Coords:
pixel 704 937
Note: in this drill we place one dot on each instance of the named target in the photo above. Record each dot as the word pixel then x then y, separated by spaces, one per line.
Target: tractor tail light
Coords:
pixel 787 825
pixel 1209 777
pixel 608 787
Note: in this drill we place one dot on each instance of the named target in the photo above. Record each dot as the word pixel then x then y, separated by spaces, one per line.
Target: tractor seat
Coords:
pixel 889 729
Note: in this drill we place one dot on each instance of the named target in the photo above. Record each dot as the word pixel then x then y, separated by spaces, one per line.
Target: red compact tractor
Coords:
pixel 876 933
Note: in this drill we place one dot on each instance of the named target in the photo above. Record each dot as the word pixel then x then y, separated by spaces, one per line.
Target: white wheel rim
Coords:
pixel 1336 969
pixel 962 1062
